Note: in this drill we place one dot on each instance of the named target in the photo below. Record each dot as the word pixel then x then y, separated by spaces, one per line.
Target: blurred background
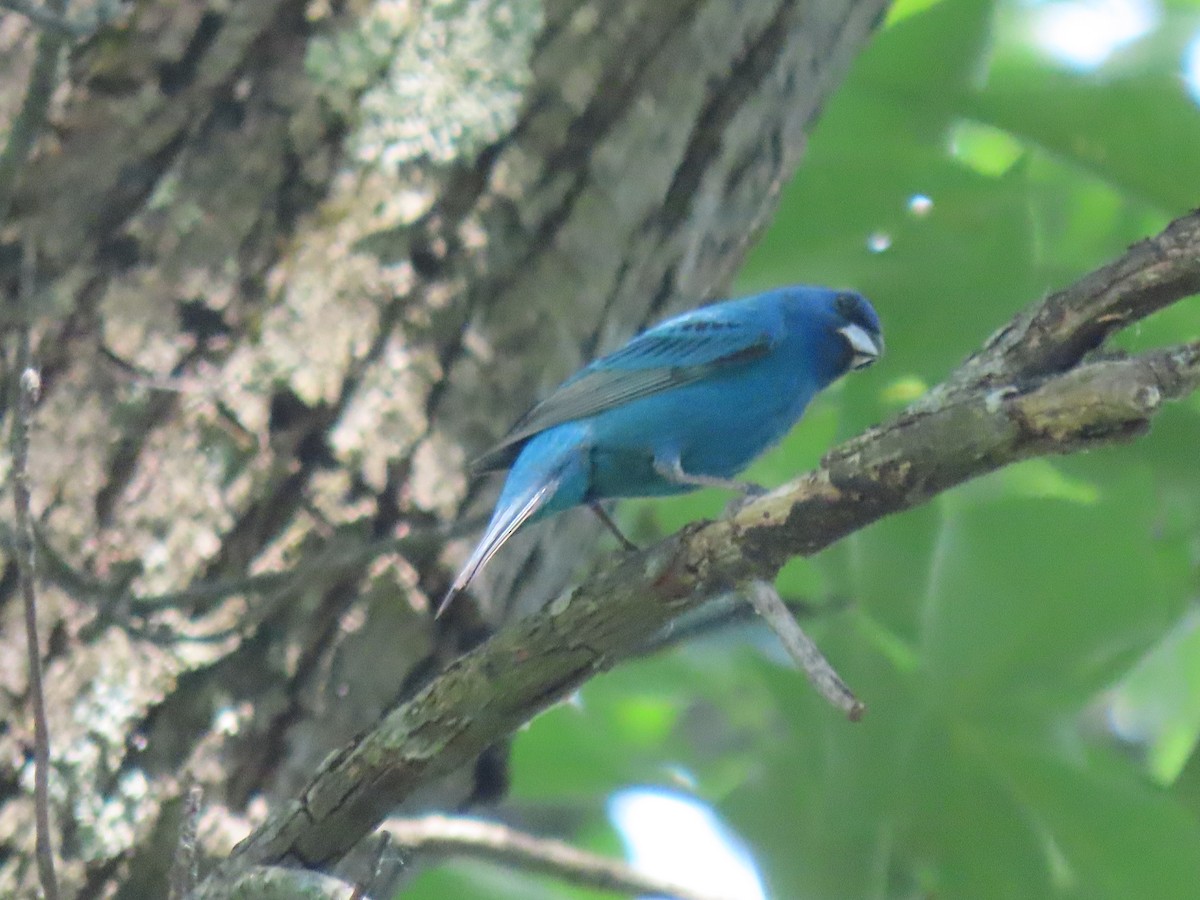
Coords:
pixel 1028 645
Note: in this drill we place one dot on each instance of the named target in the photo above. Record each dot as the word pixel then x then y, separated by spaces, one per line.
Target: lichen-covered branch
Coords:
pixel 1054 334
pixel 537 661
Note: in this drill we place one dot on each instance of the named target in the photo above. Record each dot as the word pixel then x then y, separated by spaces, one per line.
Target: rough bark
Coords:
pixel 297 262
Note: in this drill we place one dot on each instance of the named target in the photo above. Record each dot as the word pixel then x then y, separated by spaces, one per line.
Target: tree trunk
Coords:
pixel 297 263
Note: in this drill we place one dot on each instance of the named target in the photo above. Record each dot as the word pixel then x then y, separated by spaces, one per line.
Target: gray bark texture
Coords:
pixel 296 264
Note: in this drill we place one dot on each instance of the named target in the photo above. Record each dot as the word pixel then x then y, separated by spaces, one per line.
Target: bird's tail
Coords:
pixel 551 474
pixel 506 520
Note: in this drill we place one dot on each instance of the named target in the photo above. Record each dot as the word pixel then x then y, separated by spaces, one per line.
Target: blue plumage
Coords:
pixel 686 404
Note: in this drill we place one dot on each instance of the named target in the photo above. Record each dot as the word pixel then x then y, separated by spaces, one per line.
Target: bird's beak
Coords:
pixel 865 347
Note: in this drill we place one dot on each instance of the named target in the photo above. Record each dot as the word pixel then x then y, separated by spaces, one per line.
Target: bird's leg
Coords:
pixel 672 470
pixel 594 506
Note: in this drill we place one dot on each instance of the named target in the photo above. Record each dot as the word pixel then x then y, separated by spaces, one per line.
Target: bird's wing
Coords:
pixel 680 351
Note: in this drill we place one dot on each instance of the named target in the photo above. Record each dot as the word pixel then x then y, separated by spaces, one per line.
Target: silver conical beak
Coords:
pixel 865 347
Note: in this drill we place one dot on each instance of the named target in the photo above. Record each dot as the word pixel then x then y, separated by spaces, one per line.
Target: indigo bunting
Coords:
pixel 686 404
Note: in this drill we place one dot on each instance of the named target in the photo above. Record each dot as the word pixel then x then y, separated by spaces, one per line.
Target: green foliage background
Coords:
pixel 1028 645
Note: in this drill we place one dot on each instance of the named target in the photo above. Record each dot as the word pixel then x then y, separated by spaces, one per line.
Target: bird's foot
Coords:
pixel 672 470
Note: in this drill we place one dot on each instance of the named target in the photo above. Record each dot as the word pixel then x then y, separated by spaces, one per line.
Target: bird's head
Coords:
pixel 858 325
pixel 838 330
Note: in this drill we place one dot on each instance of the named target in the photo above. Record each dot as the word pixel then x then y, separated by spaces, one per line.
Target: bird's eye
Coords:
pixel 846 305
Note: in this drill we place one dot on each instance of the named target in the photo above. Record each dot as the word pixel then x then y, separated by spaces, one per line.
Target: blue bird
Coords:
pixel 684 405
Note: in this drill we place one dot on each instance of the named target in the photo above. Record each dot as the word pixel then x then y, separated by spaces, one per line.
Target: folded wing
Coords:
pixel 678 352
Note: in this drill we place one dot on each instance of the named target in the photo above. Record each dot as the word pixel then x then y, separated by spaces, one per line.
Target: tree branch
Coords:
pixel 183 866
pixel 527 667
pixel 728 612
pixel 499 843
pixel 801 648
pixel 275 883
pixel 1055 334
pixel 27 388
